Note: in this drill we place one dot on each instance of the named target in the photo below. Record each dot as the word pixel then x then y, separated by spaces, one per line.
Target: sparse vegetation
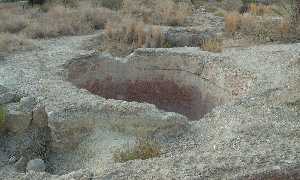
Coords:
pixel 2 115
pixel 213 45
pixel 134 34
pixel 232 21
pixel 157 12
pixel 12 42
pixel 260 9
pixel 54 20
pixel 259 23
pixel 131 24
pixel 142 149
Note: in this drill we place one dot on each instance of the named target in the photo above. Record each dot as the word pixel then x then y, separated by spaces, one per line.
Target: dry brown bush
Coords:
pixel 59 21
pixel 247 23
pixel 134 33
pixel 11 20
pixel 232 21
pixel 284 27
pixel 55 20
pixel 142 149
pixel 262 28
pixel 11 42
pixel 212 45
pixel 157 12
pixel 260 9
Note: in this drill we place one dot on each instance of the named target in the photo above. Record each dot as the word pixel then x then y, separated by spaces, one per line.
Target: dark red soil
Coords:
pixel 165 94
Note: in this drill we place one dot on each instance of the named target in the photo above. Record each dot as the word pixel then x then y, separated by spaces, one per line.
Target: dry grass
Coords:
pixel 260 9
pixel 262 28
pixel 284 28
pixel 2 116
pixel 60 21
pixel 247 24
pixel 134 33
pixel 54 21
pixel 170 13
pixel 157 12
pixel 11 20
pixel 213 45
pixel 142 149
pixel 11 42
pixel 232 21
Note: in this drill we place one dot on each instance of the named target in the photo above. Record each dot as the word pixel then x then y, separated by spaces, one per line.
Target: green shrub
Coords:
pixel 142 149
pixel 2 115
pixel 111 4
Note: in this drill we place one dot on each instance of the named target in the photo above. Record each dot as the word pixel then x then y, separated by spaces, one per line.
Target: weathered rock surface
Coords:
pixel 27 104
pixel 181 37
pixel 251 132
pixel 7 97
pixel 36 165
pixel 17 121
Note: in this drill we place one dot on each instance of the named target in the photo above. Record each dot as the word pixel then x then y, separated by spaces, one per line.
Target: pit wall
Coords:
pixel 186 81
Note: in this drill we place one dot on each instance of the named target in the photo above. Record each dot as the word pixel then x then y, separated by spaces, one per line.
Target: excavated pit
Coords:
pixel 152 79
pixel 165 94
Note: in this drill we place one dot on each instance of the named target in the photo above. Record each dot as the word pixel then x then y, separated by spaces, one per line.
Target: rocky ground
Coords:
pixel 249 131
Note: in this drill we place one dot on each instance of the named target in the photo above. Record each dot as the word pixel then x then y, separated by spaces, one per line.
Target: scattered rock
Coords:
pixel 37 165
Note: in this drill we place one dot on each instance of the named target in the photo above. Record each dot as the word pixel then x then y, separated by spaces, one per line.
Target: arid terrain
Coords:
pixel 163 89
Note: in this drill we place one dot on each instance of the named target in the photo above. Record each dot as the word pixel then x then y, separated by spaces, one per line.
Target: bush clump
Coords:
pixel 143 149
pixel 213 45
pixel 135 33
pixel 157 12
pixel 2 115
pixel 12 42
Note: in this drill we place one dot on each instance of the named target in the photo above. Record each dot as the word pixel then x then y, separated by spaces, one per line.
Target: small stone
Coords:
pixel 37 165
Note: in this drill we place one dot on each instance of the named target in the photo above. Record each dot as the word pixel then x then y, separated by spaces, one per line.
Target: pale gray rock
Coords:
pixel 27 104
pixel 7 97
pixel 37 165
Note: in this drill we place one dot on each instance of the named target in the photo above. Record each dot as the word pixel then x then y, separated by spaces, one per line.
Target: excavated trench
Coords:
pixel 171 90
pixel 165 94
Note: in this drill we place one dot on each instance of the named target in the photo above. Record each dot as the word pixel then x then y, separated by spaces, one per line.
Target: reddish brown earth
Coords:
pixel 165 94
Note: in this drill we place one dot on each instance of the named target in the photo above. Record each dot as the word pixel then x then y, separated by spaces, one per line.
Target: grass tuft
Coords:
pixel 232 21
pixel 2 115
pixel 142 149
pixel 213 45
